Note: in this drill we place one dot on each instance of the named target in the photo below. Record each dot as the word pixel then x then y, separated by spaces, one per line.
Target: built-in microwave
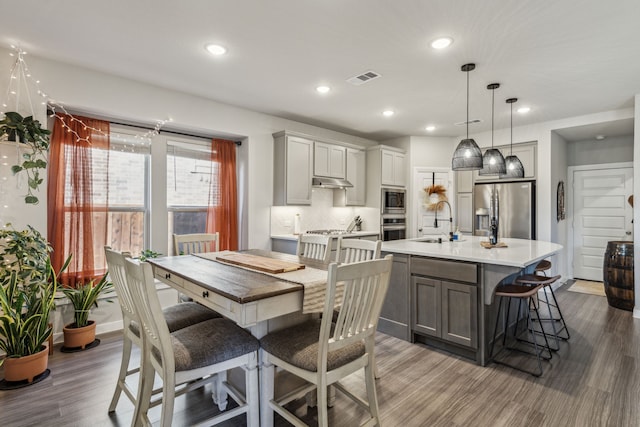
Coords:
pixel 393 201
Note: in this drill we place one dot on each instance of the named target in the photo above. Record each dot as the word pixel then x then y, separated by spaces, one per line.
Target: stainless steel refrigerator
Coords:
pixel 514 207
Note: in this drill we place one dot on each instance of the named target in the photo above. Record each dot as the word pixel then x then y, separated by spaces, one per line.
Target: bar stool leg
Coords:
pixel 563 324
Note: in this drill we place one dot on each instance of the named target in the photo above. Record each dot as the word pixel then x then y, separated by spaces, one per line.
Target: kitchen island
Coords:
pixel 441 294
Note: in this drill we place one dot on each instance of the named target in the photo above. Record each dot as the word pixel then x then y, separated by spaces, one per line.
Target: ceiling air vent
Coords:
pixel 365 77
pixel 471 122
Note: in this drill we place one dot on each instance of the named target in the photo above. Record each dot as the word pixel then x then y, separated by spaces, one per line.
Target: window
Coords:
pixel 189 174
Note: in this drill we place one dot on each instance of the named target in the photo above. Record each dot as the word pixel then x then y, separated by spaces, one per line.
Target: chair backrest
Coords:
pixel 356 250
pixel 185 244
pixel 152 322
pixel 314 246
pixel 363 286
pixel 116 265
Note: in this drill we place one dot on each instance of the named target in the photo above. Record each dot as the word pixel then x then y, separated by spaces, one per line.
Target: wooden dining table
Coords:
pixel 256 301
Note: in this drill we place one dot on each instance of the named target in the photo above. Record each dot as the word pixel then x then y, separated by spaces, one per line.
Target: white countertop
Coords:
pixel 352 234
pixel 518 253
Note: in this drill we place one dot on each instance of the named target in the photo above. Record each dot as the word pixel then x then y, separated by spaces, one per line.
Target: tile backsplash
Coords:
pixel 321 214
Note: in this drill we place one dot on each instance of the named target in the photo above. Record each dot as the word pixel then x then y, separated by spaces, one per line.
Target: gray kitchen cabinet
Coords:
pixel 393 168
pixel 464 181
pixel 293 163
pixel 385 168
pixel 464 209
pixel 442 306
pixel 395 317
pixel 356 175
pixel 329 160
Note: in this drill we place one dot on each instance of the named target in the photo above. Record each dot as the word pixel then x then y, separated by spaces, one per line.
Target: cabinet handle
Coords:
pixel 167 275
pixel 205 294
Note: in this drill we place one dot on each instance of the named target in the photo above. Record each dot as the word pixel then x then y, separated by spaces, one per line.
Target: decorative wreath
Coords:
pixel 434 195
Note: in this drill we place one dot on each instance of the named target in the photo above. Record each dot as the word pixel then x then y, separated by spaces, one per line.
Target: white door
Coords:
pixel 424 204
pixel 601 214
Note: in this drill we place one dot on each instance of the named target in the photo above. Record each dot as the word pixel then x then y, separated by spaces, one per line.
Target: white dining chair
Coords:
pixel 322 352
pixel 186 244
pixel 176 317
pixel 351 250
pixel 314 246
pixel 188 356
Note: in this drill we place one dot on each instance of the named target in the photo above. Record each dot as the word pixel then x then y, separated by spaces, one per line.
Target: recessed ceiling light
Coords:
pixel 523 110
pixel 430 128
pixel 441 43
pixel 600 137
pixel 323 89
pixel 216 49
pixel 388 113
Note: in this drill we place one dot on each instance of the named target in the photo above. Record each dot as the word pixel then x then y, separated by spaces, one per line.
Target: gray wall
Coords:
pixel 591 152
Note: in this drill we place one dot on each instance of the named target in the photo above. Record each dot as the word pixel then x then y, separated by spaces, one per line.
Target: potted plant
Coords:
pixel 82 331
pixel 28 285
pixel 26 130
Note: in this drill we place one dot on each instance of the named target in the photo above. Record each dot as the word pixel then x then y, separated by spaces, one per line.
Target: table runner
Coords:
pixel 313 281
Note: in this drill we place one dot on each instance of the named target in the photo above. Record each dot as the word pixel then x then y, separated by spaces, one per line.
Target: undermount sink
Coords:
pixel 430 240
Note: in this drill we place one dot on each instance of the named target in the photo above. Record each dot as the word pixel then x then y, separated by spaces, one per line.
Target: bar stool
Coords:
pixel 546 282
pixel 543 266
pixel 522 293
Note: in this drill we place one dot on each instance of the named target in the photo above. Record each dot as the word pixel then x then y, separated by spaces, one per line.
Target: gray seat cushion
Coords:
pixel 209 342
pixel 182 315
pixel 298 345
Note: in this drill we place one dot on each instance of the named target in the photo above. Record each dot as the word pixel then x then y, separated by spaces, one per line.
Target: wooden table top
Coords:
pixel 230 281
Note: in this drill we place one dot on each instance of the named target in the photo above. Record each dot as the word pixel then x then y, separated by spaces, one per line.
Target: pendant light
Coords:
pixel 467 155
pixel 492 161
pixel 513 163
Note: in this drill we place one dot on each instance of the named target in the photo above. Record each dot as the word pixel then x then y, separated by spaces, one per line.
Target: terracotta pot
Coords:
pixel 26 367
pixel 79 337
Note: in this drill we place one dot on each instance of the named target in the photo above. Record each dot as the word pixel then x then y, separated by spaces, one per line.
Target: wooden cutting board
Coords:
pixel 488 245
pixel 260 263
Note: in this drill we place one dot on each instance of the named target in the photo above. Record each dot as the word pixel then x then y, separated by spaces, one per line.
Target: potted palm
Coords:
pixel 27 131
pixel 28 284
pixel 82 332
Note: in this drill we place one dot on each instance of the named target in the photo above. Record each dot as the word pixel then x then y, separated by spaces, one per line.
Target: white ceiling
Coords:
pixel 562 58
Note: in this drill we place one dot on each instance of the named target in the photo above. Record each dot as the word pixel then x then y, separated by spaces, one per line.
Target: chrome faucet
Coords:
pixel 435 223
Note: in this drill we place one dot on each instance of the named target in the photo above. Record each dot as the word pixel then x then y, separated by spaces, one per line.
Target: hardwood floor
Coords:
pixel 594 380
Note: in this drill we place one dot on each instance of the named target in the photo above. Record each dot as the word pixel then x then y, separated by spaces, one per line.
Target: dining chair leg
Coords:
pixel 267 373
pixel 168 399
pixel 322 400
pixel 220 395
pixel 145 391
pixel 372 396
pixel 122 375
pixel 253 395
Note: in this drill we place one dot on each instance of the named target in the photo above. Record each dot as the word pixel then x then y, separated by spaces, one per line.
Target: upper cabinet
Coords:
pixel 392 168
pixel 329 160
pixel 356 175
pixel 385 168
pixel 293 169
pixel 526 152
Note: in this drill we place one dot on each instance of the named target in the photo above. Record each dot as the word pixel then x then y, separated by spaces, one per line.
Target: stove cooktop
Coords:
pixel 328 232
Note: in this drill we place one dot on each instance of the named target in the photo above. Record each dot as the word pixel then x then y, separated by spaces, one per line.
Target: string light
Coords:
pixel 20 71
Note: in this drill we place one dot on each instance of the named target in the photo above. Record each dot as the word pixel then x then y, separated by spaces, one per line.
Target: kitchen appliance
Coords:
pixel 393 227
pixel 514 205
pixel 328 232
pixel 325 182
pixel 393 201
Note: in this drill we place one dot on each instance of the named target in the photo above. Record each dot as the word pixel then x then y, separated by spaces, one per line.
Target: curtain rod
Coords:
pixel 146 127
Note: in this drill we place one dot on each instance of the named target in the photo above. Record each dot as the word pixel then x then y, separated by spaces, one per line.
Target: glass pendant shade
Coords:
pixel 514 167
pixel 493 161
pixel 467 156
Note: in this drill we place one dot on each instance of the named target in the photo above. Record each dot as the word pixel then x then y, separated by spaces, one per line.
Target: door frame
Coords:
pixel 412 218
pixel 571 197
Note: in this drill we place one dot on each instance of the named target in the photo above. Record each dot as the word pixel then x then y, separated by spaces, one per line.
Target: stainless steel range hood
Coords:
pixel 320 181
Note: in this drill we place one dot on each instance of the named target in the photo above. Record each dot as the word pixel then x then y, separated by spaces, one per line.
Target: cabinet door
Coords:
pixel 426 310
pixel 464 207
pixel 299 163
pixel 395 316
pixel 399 171
pixel 356 174
pixel 387 164
pixel 527 155
pixel 460 314
pixel 464 181
pixel 329 160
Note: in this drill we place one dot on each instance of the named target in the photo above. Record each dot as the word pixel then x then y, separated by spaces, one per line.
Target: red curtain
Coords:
pixel 222 214
pixel 77 195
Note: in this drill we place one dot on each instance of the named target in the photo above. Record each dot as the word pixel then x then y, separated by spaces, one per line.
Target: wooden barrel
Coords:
pixel 618 275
